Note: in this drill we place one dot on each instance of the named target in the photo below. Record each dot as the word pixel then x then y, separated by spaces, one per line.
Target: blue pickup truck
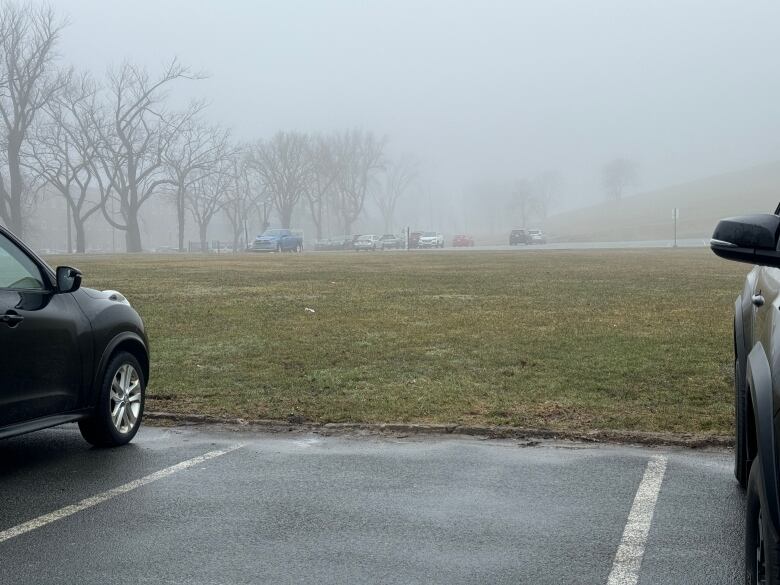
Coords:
pixel 278 240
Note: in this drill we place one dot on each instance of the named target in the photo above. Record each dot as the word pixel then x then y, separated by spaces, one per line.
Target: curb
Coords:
pixel 691 441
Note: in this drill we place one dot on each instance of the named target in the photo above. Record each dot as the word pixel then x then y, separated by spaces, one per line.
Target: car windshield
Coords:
pixel 429 235
pixel 273 233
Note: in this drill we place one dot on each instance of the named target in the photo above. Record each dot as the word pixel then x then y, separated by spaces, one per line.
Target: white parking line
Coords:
pixel 628 559
pixel 92 501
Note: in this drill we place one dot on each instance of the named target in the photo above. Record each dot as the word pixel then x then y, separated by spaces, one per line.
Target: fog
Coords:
pixel 484 94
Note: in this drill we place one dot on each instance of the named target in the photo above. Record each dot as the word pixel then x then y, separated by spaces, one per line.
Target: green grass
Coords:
pixel 630 340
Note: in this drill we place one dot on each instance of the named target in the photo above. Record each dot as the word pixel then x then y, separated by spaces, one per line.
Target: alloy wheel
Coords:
pixel 125 400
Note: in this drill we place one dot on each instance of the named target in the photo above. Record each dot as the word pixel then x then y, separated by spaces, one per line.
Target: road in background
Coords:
pixel 629 244
pixel 303 508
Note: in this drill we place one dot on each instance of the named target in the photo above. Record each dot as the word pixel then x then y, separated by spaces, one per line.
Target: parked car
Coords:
pixel 324 244
pixel 755 239
pixel 518 237
pixel 69 354
pixel 390 242
pixel 536 237
pixel 367 242
pixel 431 240
pixel 278 240
pixel 462 241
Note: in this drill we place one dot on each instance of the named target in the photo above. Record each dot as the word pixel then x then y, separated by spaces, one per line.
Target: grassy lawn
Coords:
pixel 629 340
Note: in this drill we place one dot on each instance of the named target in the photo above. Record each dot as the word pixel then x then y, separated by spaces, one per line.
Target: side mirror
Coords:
pixel 68 279
pixel 748 238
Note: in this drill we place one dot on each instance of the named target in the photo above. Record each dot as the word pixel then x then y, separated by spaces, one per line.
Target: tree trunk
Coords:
pixel 180 217
pixel 15 174
pixel 69 224
pixel 133 233
pixel 388 217
pixel 203 229
pixel 285 215
pixel 81 238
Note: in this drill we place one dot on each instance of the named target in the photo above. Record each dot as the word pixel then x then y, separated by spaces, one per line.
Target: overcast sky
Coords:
pixel 479 90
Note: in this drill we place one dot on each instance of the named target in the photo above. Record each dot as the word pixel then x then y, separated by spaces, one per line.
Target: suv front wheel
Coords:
pixel 120 405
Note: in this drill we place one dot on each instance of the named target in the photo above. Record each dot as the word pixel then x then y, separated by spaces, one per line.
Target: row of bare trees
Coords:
pixel 334 173
pixel 110 146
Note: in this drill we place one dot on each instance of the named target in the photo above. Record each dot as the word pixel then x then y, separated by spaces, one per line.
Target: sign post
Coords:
pixel 675 217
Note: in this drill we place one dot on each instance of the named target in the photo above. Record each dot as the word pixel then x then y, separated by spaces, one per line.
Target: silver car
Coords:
pixel 368 242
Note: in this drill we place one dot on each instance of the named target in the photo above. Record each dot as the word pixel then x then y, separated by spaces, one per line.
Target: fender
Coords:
pixel 107 352
pixel 759 379
pixel 739 334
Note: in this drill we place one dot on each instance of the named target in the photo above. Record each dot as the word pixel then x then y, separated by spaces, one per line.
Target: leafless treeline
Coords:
pixel 108 146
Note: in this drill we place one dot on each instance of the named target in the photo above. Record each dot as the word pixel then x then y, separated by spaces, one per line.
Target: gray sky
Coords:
pixel 479 90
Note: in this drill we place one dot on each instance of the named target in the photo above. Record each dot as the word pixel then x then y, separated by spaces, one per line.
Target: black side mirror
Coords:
pixel 748 238
pixel 68 279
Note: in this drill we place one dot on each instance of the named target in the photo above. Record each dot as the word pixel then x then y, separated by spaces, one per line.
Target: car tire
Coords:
pixel 762 547
pixel 123 377
pixel 741 464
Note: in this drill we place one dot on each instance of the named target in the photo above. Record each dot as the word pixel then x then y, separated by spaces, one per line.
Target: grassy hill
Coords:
pixel 648 216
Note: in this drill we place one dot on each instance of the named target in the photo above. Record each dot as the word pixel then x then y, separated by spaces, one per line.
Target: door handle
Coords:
pixel 11 319
pixel 758 299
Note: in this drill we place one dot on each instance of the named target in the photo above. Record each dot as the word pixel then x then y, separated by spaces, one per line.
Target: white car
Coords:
pixel 369 242
pixel 536 237
pixel 431 240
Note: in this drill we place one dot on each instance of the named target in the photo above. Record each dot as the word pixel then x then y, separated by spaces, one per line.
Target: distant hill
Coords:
pixel 648 216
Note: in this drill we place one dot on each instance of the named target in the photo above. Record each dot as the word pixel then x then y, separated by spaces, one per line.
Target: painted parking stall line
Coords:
pixel 628 559
pixel 93 501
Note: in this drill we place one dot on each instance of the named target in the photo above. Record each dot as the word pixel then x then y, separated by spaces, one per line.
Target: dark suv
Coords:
pixel 67 354
pixel 755 239
pixel 519 237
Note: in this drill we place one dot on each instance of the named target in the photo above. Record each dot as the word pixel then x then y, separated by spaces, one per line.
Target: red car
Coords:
pixel 462 241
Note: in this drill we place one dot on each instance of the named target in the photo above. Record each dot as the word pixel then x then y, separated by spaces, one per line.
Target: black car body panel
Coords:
pixel 762 397
pixel 54 351
pixel 756 239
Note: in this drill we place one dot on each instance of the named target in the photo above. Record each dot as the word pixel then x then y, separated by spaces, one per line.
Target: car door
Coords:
pixel 40 358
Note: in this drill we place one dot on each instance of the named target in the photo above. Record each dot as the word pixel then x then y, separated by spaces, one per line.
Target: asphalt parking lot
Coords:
pixel 200 505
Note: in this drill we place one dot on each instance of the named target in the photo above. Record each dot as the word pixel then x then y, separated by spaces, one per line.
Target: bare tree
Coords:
pixel 194 149
pixel 398 176
pixel 209 192
pixel 28 81
pixel 359 155
pixel 324 172
pixel 285 167
pixel 546 187
pixel 242 197
pixel 617 176
pixel 62 149
pixel 136 133
pixel 523 201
